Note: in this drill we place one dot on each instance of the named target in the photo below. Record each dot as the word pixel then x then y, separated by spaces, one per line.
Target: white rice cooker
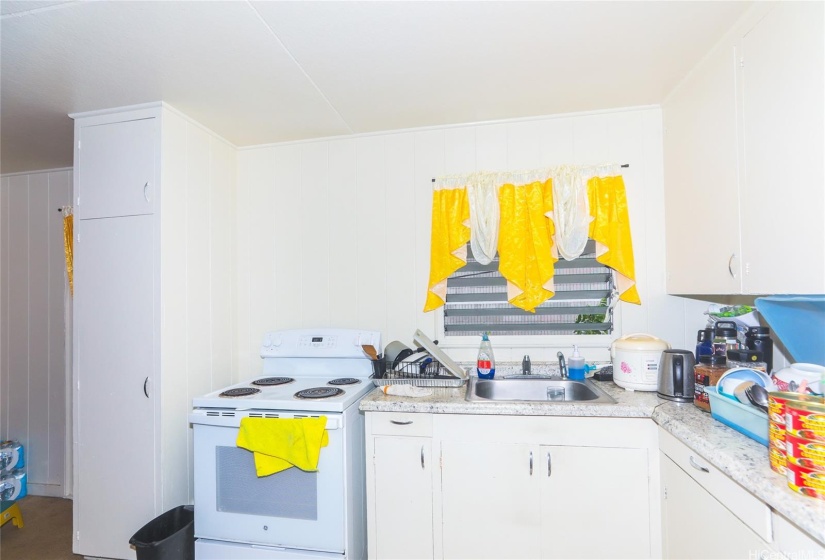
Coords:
pixel 635 360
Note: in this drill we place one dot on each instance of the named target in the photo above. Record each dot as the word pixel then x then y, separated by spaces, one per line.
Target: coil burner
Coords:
pixel 319 393
pixel 240 392
pixel 344 381
pixel 272 381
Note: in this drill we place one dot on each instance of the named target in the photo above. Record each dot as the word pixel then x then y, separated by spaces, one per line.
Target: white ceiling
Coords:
pixel 257 72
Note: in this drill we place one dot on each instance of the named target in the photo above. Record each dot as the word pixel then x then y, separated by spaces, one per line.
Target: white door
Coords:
pixel 114 313
pixel 116 169
pixel 490 500
pixel 403 497
pixel 587 491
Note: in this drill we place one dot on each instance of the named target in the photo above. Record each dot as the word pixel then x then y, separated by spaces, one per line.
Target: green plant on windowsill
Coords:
pixel 592 318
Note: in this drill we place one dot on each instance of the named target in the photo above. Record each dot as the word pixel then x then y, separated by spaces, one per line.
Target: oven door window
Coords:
pixel 292 508
pixel 291 494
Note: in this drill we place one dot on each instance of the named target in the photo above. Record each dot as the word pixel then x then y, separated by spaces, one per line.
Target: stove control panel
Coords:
pixel 319 343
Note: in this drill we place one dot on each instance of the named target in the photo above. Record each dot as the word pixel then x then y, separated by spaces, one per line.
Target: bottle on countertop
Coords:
pixel 486 363
pixel 724 339
pixel 575 365
pixel 704 343
pixel 759 338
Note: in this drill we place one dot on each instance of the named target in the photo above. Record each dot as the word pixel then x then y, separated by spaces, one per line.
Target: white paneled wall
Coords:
pixel 336 231
pixel 33 370
pixel 197 254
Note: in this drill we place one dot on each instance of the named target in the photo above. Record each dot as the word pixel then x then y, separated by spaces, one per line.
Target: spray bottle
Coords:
pixel 486 364
pixel 575 365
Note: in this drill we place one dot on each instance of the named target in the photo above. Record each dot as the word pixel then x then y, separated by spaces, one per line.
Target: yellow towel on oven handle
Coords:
pixel 282 443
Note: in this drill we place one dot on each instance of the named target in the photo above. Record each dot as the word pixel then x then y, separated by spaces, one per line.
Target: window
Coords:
pixel 582 305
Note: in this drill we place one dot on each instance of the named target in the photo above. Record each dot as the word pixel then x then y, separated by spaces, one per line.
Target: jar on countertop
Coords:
pixel 707 373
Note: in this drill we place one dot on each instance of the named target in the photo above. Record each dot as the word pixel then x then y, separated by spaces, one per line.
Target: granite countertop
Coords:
pixel 743 460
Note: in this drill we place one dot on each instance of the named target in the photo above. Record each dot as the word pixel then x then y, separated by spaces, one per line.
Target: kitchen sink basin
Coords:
pixel 556 391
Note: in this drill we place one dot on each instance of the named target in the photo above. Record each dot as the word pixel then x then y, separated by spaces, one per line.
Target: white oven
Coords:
pixel 291 513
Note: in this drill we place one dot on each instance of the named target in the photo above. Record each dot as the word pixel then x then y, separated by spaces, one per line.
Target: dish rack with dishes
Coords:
pixel 430 374
pixel 434 369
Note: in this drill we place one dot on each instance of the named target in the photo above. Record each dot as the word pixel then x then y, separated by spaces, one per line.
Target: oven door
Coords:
pixel 292 508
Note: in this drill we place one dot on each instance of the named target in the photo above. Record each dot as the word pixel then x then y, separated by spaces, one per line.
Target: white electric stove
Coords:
pixel 321 514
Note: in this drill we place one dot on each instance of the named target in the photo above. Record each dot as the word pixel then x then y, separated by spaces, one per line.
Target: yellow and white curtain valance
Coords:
pixel 531 218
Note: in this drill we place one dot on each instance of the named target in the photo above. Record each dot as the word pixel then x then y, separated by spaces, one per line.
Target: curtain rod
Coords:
pixel 624 165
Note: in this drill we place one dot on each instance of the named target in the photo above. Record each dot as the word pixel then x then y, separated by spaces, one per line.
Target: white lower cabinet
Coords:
pixel 512 487
pixel 399 485
pixel 705 514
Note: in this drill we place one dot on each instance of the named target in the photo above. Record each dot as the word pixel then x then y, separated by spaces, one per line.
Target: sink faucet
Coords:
pixel 562 366
pixel 525 365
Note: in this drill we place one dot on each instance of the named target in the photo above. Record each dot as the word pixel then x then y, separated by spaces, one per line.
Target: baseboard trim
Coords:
pixel 48 490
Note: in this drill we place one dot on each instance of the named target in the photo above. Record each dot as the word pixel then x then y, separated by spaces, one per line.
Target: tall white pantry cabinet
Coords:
pixel 153 285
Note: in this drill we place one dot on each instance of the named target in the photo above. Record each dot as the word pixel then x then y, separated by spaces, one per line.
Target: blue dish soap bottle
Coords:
pixel 486 363
pixel 575 365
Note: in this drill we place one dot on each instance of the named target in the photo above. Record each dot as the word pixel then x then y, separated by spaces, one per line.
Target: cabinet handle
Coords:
pixel 145 392
pixel 146 191
pixel 401 423
pixel 531 463
pixel 696 465
pixel 549 465
pixel 730 265
pixel 422 456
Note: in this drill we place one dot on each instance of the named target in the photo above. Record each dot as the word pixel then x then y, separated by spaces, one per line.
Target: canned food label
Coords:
pixel 805 418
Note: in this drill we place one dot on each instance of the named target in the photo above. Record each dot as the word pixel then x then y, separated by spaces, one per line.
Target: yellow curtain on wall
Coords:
pixel 526 234
pixel 68 237
pixel 525 242
pixel 610 229
pixel 448 241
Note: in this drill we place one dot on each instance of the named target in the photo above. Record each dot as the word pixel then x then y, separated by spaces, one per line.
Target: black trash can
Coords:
pixel 170 536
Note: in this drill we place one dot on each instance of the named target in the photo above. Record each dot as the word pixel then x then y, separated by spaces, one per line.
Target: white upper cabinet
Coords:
pixel 783 192
pixel 743 150
pixel 117 171
pixel 701 180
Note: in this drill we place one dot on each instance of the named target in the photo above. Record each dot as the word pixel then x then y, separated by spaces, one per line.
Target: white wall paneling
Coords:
pixel 33 370
pixel 343 225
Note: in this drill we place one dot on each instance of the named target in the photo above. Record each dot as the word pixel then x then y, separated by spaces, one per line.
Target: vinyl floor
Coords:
pixel 46 533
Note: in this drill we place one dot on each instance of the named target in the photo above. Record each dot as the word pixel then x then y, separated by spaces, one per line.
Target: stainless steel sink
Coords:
pixel 523 388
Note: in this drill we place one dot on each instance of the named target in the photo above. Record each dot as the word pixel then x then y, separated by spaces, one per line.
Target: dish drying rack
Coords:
pixel 431 374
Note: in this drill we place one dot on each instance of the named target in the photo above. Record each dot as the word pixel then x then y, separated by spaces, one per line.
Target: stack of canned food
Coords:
pixel 796 437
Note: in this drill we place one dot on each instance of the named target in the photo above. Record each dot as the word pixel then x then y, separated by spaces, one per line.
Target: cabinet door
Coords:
pixel 783 199
pixel 114 311
pixel 489 500
pixel 587 491
pixel 701 180
pixel 696 525
pixel 116 169
pixel 403 497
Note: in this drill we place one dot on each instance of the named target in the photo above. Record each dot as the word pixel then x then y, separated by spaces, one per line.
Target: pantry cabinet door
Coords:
pixel 783 199
pixel 489 500
pixel 595 502
pixel 697 526
pixel 114 317
pixel 116 168
pixel 403 497
pixel 703 253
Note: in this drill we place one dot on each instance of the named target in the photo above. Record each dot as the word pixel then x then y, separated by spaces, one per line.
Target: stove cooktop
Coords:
pixel 332 394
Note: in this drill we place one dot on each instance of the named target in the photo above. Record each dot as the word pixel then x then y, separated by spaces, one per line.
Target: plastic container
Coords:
pixel 724 339
pixel 745 419
pixel 748 359
pixel 486 363
pixel 575 365
pixel 170 536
